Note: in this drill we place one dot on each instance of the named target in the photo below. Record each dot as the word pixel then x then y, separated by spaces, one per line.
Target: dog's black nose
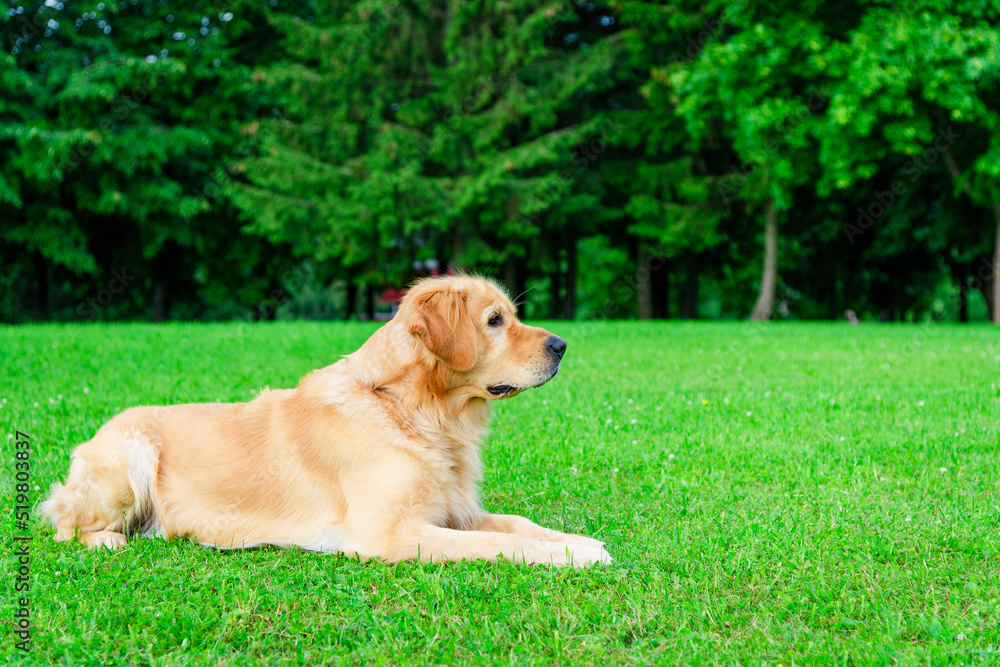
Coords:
pixel 557 345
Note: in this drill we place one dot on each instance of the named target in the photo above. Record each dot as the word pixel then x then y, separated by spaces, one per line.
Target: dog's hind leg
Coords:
pixel 108 491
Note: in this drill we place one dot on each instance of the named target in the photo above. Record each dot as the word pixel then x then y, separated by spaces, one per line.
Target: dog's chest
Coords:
pixel 448 450
pixel 457 471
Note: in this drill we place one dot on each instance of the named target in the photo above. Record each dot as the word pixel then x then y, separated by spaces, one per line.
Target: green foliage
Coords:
pixel 426 132
pixel 213 149
pixel 116 120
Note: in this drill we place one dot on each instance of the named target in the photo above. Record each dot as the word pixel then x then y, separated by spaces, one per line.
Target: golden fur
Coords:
pixel 376 455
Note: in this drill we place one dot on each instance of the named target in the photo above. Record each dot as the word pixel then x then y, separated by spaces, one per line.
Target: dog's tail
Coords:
pixel 109 491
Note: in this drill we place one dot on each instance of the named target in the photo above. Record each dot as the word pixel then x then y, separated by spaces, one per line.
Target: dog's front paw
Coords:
pixel 104 538
pixel 587 555
pixel 586 541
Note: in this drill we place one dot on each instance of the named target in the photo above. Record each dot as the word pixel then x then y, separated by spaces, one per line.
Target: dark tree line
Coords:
pixel 636 159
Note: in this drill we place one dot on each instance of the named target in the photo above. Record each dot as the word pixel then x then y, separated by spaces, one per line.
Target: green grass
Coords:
pixel 817 494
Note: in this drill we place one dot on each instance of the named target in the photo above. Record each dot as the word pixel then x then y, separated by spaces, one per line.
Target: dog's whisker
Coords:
pixel 517 301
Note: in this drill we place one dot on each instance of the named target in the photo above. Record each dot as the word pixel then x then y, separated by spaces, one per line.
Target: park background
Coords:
pixel 228 159
pixel 802 493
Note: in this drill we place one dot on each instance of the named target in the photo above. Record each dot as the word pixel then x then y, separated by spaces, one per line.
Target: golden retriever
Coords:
pixel 376 455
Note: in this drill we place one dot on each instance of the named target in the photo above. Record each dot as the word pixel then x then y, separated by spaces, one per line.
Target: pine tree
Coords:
pixel 430 130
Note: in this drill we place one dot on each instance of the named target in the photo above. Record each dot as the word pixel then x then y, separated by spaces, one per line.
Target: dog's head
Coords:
pixel 470 325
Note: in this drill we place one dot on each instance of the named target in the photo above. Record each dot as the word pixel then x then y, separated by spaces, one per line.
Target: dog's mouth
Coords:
pixel 506 390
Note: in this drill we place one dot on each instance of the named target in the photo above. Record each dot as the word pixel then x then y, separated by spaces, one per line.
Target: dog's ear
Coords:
pixel 442 323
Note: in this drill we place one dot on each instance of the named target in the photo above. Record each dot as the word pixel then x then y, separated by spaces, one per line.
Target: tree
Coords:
pixel 763 79
pixel 115 124
pixel 915 86
pixel 434 131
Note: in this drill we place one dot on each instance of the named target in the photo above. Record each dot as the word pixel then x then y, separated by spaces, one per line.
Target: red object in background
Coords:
pixel 392 295
pixel 430 267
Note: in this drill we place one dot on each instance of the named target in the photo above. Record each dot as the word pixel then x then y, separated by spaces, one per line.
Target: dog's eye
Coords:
pixel 495 320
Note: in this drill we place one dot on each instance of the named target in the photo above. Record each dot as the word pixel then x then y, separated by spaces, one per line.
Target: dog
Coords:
pixel 375 456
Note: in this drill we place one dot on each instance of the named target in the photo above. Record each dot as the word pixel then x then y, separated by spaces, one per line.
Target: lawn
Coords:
pixel 790 493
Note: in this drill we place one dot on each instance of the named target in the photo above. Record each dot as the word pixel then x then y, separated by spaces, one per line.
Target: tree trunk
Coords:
pixel 42 282
pixel 351 306
pixel 689 293
pixel 370 302
pixel 514 277
pixel 659 284
pixel 833 310
pixel 991 284
pixel 161 309
pixel 644 292
pixel 555 287
pixel 986 289
pixel 164 270
pixel 962 278
pixel 569 299
pixel 765 300
pixel 995 310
